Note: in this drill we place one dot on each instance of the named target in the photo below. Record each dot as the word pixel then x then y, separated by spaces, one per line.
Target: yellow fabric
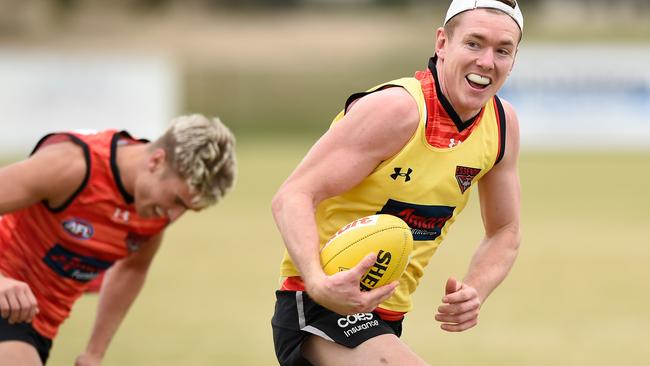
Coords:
pixel 432 196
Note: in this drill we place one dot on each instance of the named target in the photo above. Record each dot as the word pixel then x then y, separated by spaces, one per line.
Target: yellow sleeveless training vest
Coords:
pixel 425 186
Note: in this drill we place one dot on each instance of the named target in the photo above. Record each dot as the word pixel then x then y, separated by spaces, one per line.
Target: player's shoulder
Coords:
pixel 64 160
pixel 509 111
pixel 512 133
pixel 393 103
pixel 61 151
pixel 388 118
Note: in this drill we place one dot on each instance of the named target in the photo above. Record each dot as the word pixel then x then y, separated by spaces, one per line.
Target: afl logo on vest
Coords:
pixel 78 228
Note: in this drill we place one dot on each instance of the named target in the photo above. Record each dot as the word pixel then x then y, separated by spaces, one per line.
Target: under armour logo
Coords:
pixel 120 214
pixel 398 173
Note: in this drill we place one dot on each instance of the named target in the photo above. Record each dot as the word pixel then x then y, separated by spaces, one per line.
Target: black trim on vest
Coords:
pixel 460 125
pixel 117 177
pixel 502 129
pixel 86 152
pixel 360 95
pixel 128 198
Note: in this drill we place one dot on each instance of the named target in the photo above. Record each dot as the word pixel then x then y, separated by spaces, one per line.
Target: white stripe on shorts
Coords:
pixel 316 331
pixel 301 319
pixel 301 309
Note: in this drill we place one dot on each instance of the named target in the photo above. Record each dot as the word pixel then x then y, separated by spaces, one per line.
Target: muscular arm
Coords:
pixel 376 128
pixel 53 173
pixel 121 286
pixel 500 209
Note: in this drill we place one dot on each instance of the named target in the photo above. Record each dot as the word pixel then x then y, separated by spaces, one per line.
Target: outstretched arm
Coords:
pixel 499 196
pixel 121 286
pixel 375 128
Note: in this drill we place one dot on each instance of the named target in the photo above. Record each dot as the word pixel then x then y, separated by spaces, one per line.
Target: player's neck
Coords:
pixel 465 114
pixel 130 160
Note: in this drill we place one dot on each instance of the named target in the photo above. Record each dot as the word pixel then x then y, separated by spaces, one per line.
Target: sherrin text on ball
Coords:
pixel 386 235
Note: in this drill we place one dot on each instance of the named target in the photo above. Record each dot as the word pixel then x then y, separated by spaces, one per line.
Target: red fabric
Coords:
pixel 95 285
pixel 293 284
pixel 441 129
pixel 390 315
pixel 98 226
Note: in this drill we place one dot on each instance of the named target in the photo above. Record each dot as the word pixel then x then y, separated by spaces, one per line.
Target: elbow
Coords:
pixel 293 200
pixel 508 236
pixel 280 201
pixel 277 203
pixel 515 238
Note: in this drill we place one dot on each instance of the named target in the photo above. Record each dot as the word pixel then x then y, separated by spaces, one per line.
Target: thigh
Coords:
pixel 297 317
pixel 385 349
pixel 18 353
pixel 296 312
pixel 22 339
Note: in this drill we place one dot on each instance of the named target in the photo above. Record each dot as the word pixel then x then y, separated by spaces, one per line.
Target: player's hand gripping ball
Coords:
pixel 387 235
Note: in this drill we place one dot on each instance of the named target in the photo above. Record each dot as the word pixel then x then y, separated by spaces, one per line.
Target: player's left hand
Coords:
pixel 87 359
pixel 460 307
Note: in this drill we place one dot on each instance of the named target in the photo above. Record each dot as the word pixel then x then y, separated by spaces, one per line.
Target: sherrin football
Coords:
pixel 387 235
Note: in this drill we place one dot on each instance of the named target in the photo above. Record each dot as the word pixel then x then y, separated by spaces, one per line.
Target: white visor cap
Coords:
pixel 459 6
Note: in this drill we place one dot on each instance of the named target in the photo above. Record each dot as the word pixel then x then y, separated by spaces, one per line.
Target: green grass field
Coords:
pixel 578 294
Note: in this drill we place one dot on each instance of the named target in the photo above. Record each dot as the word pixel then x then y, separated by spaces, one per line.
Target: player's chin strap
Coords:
pixel 459 6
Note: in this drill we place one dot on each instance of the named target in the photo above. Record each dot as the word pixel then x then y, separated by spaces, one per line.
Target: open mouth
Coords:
pixel 477 81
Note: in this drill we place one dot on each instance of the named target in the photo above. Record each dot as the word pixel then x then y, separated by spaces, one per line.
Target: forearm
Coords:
pixel 492 261
pixel 294 216
pixel 121 286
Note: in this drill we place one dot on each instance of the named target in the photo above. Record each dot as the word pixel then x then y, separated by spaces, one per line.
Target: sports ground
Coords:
pixel 576 296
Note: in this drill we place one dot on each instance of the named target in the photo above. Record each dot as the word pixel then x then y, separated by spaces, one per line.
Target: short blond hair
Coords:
pixel 202 151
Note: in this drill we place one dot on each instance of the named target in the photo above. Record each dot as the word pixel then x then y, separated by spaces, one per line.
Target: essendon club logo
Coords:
pixel 464 177
pixel 426 221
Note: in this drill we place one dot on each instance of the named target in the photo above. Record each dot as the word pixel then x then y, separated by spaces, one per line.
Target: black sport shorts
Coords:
pixel 297 316
pixel 26 333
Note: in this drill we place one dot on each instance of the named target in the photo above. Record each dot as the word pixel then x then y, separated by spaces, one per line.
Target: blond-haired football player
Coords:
pixel 84 203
